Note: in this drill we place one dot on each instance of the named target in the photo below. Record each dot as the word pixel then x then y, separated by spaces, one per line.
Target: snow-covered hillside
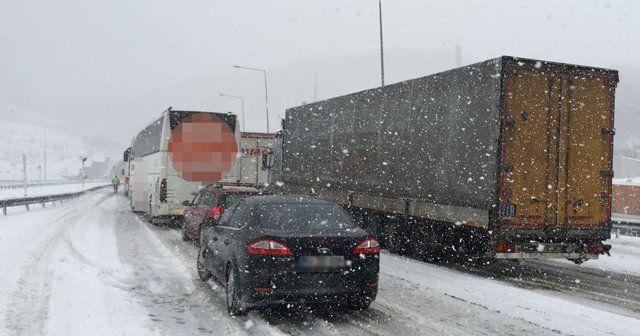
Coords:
pixel 64 151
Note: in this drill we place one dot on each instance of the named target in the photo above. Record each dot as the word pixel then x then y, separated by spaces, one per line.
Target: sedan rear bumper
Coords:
pixel 282 285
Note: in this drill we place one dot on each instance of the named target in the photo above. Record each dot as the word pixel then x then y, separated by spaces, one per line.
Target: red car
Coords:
pixel 208 205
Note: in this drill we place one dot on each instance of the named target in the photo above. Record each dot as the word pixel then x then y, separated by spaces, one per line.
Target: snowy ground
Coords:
pixel 91 267
pixel 625 257
pixel 46 190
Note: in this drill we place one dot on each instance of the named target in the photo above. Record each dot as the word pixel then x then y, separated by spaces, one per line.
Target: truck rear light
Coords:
pixel 367 246
pixel 264 289
pixel 372 285
pixel 163 190
pixel 594 248
pixel 268 247
pixel 505 247
pixel 216 213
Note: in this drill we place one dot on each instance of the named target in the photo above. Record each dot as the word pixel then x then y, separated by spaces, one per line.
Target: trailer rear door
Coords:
pixel 556 148
pixel 585 178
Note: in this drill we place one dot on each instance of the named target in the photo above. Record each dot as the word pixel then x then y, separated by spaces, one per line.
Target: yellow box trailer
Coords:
pixel 510 158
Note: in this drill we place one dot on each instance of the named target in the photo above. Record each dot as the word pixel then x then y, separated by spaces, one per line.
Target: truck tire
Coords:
pixel 394 237
pixel 420 241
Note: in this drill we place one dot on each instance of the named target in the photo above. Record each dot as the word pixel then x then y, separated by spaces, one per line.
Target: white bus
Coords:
pixel 174 156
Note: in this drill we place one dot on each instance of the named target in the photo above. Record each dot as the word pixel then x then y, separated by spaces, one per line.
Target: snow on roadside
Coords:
pixel 46 190
pixel 536 307
pixel 61 275
pixel 625 257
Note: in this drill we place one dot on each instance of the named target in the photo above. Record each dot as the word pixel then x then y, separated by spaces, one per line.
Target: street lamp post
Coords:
pixel 381 43
pixel 242 102
pixel 266 94
pixel 239 174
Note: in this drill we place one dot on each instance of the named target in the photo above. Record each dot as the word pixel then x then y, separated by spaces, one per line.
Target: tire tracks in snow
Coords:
pixel 178 303
pixel 29 305
pixel 620 292
pixel 383 318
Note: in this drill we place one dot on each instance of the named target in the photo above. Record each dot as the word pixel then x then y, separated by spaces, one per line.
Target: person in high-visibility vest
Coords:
pixel 116 182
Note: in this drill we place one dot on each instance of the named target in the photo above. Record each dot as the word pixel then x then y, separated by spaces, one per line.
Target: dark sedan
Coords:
pixel 275 250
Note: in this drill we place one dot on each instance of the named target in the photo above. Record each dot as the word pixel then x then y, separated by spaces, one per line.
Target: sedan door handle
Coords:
pixel 226 241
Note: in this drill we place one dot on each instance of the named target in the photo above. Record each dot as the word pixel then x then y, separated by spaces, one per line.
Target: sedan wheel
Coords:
pixel 201 238
pixel 184 233
pixel 233 303
pixel 203 272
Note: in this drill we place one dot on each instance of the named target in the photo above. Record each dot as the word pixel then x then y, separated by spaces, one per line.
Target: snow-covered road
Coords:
pixel 91 267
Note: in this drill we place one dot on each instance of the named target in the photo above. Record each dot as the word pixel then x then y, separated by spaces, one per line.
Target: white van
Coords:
pixel 171 158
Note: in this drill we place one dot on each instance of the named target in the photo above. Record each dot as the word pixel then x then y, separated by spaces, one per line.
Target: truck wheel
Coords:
pixel 393 236
pixel 420 242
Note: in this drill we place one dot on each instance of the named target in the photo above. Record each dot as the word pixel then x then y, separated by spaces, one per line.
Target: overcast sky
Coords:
pixel 110 67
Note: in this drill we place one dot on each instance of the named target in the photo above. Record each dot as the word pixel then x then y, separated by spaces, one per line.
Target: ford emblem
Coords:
pixel 324 250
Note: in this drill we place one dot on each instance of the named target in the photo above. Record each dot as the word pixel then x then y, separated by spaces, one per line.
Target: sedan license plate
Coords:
pixel 321 262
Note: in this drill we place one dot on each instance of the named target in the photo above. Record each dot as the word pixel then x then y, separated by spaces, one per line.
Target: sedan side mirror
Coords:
pixel 186 203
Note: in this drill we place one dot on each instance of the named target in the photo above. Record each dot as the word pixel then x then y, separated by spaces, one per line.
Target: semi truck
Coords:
pixel 510 158
pixel 249 170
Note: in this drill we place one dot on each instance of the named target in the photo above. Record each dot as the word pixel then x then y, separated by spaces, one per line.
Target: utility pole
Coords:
pixel 266 94
pixel 45 152
pixel 458 56
pixel 381 44
pixel 82 172
pixel 315 88
pixel 24 173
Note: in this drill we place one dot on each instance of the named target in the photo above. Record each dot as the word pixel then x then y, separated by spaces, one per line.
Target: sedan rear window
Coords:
pixel 228 200
pixel 303 217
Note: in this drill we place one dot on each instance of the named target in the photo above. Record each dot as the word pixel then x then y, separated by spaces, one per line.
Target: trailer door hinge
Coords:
pixel 506 168
pixel 609 83
pixel 610 131
pixel 510 122
pixel 606 173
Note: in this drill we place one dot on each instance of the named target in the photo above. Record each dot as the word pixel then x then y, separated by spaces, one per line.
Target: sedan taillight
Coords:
pixel 268 247
pixel 216 213
pixel 367 246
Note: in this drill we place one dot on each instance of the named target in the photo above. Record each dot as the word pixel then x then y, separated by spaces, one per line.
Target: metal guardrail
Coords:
pixel 625 228
pixel 26 201
pixel 6 185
